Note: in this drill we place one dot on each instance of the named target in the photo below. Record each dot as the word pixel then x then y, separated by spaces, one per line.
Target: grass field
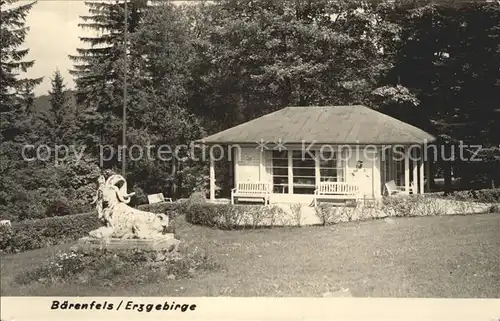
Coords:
pixel 441 256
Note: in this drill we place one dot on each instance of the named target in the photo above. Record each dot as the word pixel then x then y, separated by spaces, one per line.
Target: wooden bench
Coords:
pixel 394 190
pixel 336 191
pixel 251 192
pixel 158 198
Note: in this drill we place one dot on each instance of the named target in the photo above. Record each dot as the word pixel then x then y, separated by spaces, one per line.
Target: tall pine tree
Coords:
pixel 158 110
pixel 99 69
pixel 16 96
pixel 16 93
pixel 59 120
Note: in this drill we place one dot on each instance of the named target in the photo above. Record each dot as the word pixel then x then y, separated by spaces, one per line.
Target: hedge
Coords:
pixel 171 209
pixel 228 217
pixel 33 234
pixel 407 206
pixel 481 195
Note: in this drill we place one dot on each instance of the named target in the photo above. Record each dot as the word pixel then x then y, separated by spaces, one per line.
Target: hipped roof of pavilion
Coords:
pixel 342 125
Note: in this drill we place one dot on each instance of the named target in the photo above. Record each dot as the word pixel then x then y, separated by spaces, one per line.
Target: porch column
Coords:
pixel 428 170
pixel 212 179
pixel 390 165
pixel 378 174
pixel 290 172
pixel 407 169
pixel 415 169
pixel 345 165
pixel 373 175
pixel 396 167
pixel 235 161
pixel 317 173
pixel 261 165
pixel 422 161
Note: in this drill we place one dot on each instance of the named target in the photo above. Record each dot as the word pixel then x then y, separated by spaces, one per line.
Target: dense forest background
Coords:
pixel 200 68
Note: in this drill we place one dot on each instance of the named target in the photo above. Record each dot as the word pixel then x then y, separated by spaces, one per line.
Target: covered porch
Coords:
pixel 297 175
pixel 337 154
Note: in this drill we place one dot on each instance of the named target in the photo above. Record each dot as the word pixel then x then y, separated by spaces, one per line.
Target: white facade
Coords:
pixel 294 173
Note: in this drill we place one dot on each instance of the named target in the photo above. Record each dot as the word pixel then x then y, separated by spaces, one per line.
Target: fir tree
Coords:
pixel 16 97
pixel 99 69
pixel 16 94
pixel 59 119
pixel 58 98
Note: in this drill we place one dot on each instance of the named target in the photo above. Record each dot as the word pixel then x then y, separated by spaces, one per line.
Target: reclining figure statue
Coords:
pixel 120 220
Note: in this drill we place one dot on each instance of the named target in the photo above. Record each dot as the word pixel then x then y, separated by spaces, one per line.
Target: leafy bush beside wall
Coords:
pixel 33 234
pixel 481 195
pixel 171 209
pixel 227 216
pixel 404 206
pixel 36 191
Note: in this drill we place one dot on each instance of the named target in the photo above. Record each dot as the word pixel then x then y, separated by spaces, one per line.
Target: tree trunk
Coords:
pixel 173 189
pixel 432 172
pixel 447 171
pixel 447 178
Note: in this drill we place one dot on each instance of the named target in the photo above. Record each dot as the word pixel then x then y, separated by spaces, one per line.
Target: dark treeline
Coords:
pixel 200 68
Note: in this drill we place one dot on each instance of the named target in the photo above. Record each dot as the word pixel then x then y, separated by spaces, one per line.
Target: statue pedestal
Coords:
pixel 167 242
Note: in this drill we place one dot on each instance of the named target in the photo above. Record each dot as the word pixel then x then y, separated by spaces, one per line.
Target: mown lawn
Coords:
pixel 441 256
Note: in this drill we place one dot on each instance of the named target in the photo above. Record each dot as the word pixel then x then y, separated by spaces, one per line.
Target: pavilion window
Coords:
pixel 304 172
pixel 399 166
pixel 280 171
pixel 331 167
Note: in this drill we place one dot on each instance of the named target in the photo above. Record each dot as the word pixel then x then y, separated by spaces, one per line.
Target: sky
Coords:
pixel 53 35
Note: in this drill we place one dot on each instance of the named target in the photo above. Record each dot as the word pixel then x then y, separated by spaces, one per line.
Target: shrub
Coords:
pixel 331 214
pixel 325 213
pixel 140 197
pixel 33 234
pixel 404 206
pixel 64 265
pixel 494 208
pixel 483 195
pixel 228 216
pixel 480 195
pixel 194 178
pixel 428 205
pixel 30 190
pixel 254 216
pixel 58 208
pixel 223 216
pixel 431 207
pixel 171 209
pixel 102 266
pixel 196 198
pixel 296 210
pixel 398 206
pixel 272 215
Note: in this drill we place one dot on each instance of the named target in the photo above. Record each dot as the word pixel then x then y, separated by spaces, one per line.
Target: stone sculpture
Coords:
pixel 121 221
